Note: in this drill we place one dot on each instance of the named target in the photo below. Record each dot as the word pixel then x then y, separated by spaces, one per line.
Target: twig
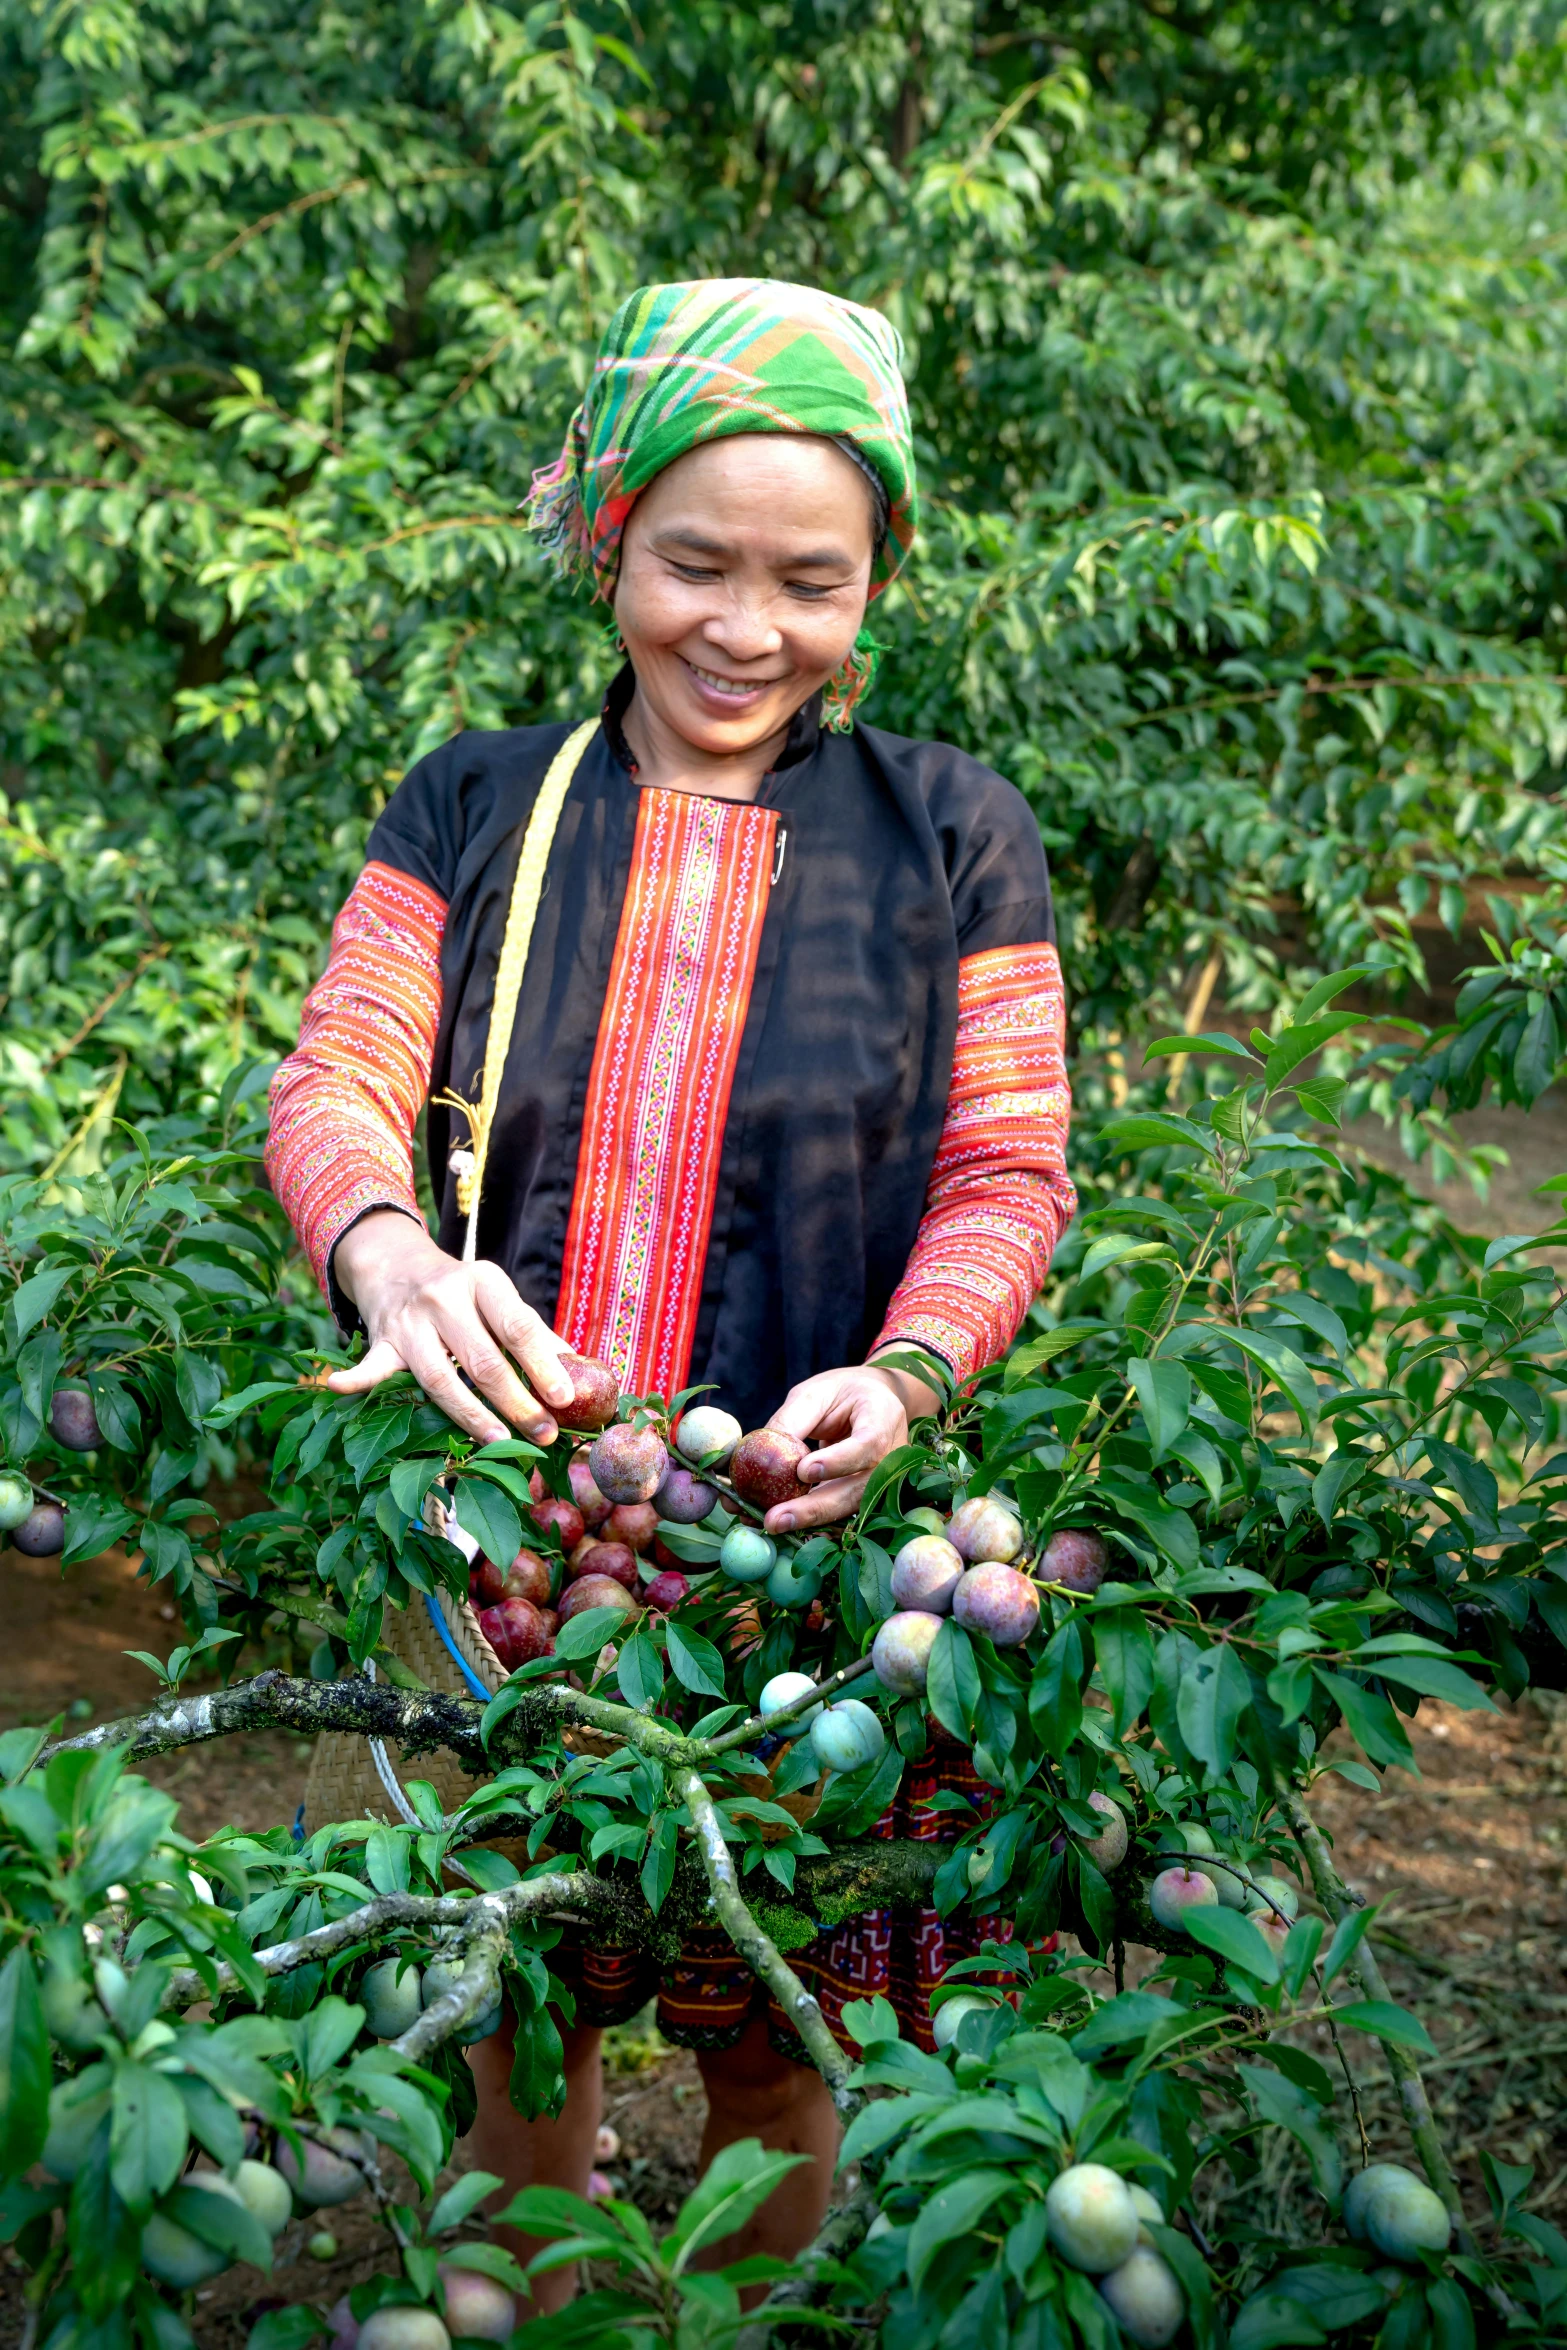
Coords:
pixel 745 1732
pixel 760 1953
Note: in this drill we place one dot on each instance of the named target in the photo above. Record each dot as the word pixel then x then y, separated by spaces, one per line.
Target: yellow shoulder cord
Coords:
pixel 526 891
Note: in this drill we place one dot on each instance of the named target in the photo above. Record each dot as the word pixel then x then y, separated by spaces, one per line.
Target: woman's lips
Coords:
pixel 731 695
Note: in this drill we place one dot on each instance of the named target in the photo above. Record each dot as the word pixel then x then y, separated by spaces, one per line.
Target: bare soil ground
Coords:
pixel 1467 1862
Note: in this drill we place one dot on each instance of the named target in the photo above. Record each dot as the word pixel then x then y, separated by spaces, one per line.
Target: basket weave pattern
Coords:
pixel 344 1783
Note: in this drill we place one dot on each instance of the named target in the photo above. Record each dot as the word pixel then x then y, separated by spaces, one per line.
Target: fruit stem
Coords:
pixel 1340 1901
pixel 758 1950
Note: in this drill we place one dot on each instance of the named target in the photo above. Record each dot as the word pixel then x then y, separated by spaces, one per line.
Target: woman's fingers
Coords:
pixel 382 1361
pixel 822 1506
pixel 477 1350
pixel 436 1373
pixel 524 1334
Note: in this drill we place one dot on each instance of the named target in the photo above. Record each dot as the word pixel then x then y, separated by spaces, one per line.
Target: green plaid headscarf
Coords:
pixel 683 364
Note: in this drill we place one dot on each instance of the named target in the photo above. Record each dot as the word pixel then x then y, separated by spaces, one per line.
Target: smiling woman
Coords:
pixel 784 1089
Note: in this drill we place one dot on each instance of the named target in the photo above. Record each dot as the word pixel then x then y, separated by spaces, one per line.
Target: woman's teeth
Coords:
pixel 736 686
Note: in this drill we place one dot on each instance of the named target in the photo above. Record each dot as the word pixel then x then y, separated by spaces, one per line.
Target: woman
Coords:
pixel 785 1091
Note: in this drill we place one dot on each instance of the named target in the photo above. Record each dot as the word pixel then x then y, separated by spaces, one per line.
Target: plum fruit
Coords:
pixel 390 1991
pixel 476 2305
pixel 444 1976
pixel 782 1690
pixel 401 2326
pixel 635 1523
pixel 1359 2192
pixel 683 1499
pixel 327 2176
pixel 265 2195
pixel 763 1466
pixel 985 1529
pixel 1076 1558
pixel 515 1630
pixel 998 1602
pixel 564 1516
pixel 1175 1891
pixel 926 1573
pixel 528 1577
pixel 628 1463
pixel 593 1505
pixel 72 1420
pixel 41 1534
pixel 1090 2217
pixel 788 1587
pixel 340 2318
pixel 596 1591
pixel 614 1559
pixel 900 1652
pixel 1145 2298
pixel 1404 2217
pixel 1270 1894
pixel 747 1555
pixel 667 1589
pixel 1148 2206
pixel 944 2023
pixel 847 1736
pixel 928 1521
pixel 594 1393
pixel 486 1582
pixel 16 1501
pixel 1108 1849
pixel 175 2257
pixel 706 1435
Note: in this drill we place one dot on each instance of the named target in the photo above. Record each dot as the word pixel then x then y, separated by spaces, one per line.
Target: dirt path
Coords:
pixel 1467 1863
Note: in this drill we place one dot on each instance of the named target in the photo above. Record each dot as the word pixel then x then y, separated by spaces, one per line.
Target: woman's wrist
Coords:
pixel 371 1246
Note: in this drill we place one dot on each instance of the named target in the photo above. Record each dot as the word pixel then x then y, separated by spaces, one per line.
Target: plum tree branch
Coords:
pixel 1340 1901
pixel 759 1951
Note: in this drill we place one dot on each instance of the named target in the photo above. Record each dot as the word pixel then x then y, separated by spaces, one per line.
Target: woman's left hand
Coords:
pixel 857 1415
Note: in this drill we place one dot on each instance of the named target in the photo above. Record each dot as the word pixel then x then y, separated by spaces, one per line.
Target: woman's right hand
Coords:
pixel 430 1314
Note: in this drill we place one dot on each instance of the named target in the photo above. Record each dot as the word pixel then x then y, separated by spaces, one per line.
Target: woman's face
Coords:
pixel 744 572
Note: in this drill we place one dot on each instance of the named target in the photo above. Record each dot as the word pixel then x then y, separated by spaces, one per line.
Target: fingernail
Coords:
pixel 786 1523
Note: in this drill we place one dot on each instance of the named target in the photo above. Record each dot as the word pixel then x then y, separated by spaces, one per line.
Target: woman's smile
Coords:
pixel 731 690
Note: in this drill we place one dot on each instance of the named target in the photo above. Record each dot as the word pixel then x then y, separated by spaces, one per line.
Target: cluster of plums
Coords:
pixel 844 1735
pixel 1202 1878
pixel 395 1992
pixel 33 1523
pixel 966 1568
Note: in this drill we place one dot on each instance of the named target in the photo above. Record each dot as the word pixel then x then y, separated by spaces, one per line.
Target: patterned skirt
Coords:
pixel 708 1996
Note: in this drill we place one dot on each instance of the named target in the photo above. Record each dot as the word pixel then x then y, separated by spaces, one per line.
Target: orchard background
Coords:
pixel 1236 340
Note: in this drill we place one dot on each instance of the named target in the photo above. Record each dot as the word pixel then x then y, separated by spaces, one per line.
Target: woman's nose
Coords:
pixel 744 629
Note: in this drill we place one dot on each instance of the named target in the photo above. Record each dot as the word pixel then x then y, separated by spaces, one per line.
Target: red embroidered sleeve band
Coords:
pixel 1000 1197
pixel 345 1104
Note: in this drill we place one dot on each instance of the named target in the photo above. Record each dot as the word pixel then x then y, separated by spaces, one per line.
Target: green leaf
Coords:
pixel 1212 1040
pixel 1384 2021
pixel 954 2210
pixel 736 2183
pixel 695 1662
pixel 1156 1130
pixel 1435 1677
pixel 1283 2102
pixel 92 1526
pixel 640 1673
pixel 34 1298
pixel 1214 1695
pixel 585 1634
pixel 1370 1720
pixel 1123 1646
pixel 952 1683
pixel 1230 1935
pixel 1055 1699
pixel 483 1511
pixel 148 2135
pixel 24 2066
pixel 1347 1935
pixel 288 2329
pixel 1298 1043
pixel 1164 1389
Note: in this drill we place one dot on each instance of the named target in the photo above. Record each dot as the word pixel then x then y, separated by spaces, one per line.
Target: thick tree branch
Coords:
pixel 758 1950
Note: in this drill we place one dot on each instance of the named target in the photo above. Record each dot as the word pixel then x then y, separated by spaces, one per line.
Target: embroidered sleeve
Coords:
pixel 1000 1197
pixel 344 1105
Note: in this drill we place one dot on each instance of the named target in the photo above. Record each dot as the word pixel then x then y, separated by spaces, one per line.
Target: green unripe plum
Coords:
pixel 1360 2190
pixel 901 1650
pixel 16 1501
pixel 1274 1893
pixel 442 1977
pixel 931 1520
pixel 1405 2217
pixel 1176 1891
pixel 1090 2217
pixel 1233 1884
pixel 391 1995
pixel 747 1555
pixel 265 2194
pixel 327 2177
pixel 847 1737
pixel 1108 1849
pixel 477 2306
pixel 782 1690
pixel 1149 2208
pixel 322 2245
pixel 787 1587
pixel 1145 2298
pixel 71 2012
pixel 951 2012
pixel 175 2257
pixel 1186 1836
pixel 394 2328
pixel 707 1436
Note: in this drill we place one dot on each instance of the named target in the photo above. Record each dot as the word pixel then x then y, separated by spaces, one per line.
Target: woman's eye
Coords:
pixel 693 571
pixel 808 591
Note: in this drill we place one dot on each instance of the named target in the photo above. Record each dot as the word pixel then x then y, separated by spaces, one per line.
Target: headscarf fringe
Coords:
pixel 848 684
pixel 555 510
